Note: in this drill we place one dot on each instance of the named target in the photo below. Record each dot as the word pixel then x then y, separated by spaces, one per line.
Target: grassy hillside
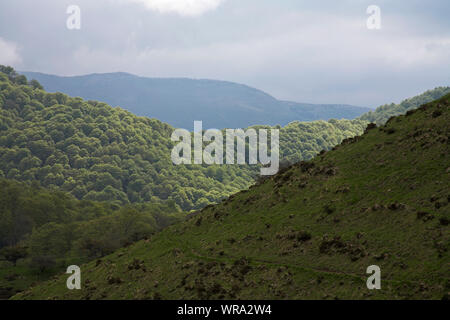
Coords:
pixel 180 101
pixel 308 232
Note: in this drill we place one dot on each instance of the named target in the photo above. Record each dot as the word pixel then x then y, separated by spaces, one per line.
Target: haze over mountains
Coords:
pixel 180 101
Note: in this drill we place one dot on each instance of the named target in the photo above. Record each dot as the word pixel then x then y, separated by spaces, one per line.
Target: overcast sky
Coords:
pixel 306 51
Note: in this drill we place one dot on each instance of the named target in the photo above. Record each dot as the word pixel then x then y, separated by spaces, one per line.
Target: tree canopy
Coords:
pixel 384 112
pixel 96 152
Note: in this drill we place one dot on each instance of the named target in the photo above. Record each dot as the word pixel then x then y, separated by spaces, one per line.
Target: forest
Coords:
pixel 384 112
pixel 100 153
pixel 80 179
pixel 308 232
pixel 48 229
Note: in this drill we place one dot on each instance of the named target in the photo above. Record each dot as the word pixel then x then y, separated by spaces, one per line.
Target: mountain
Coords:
pixel 100 153
pixel 309 232
pixel 180 101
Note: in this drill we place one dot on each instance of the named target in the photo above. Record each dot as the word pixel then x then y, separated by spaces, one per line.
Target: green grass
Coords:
pixel 243 248
pixel 19 278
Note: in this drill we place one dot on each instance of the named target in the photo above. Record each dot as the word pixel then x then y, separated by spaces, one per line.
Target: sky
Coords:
pixel 304 51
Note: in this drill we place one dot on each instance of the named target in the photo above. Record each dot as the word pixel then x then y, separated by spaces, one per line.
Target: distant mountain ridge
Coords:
pixel 180 101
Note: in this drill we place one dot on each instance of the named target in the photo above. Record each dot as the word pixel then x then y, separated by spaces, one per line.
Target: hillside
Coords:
pixel 42 230
pixel 382 114
pixel 101 153
pixel 308 232
pixel 180 101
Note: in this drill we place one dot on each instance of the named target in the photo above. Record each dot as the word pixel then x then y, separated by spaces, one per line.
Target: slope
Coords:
pixel 42 230
pixel 180 101
pixel 100 153
pixel 308 232
pixel 381 114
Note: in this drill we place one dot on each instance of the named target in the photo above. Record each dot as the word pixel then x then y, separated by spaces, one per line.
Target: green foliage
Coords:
pixel 384 112
pixel 304 140
pixel 100 153
pixel 55 224
pixel 49 228
pixel 309 232
pixel 12 254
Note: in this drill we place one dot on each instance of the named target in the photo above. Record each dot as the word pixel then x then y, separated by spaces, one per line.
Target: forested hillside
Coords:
pixel 309 232
pixel 384 112
pixel 101 153
pixel 80 179
pixel 42 230
pixel 304 140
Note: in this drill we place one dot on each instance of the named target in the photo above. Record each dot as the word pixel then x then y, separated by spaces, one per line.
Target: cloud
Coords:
pixel 181 7
pixel 293 58
pixel 294 50
pixel 8 53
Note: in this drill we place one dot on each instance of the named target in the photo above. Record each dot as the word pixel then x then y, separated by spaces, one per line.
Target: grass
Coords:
pixel 19 278
pixel 360 203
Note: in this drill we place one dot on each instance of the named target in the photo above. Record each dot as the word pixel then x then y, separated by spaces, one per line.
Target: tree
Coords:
pixel 43 262
pixel 21 79
pixel 36 85
pixel 13 254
